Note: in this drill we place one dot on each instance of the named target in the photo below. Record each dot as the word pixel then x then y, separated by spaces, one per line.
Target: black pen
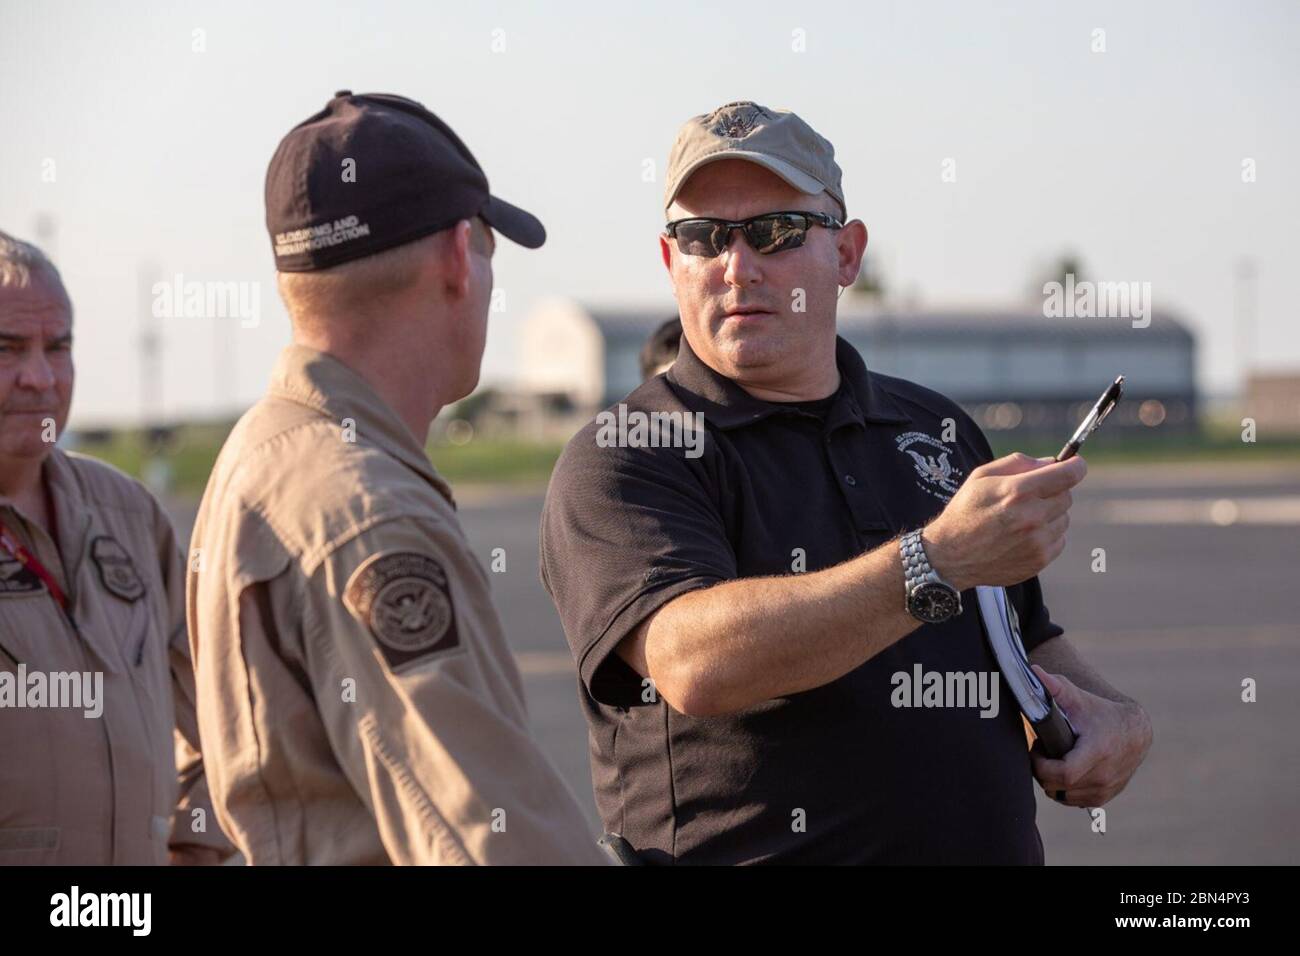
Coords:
pixel 1109 399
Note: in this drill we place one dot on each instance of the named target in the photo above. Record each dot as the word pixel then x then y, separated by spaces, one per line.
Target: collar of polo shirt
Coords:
pixel 725 404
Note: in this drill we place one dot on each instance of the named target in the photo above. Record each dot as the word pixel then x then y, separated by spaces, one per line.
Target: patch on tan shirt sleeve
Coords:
pixel 404 599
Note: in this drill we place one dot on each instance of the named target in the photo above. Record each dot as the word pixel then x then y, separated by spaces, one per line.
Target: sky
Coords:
pixel 142 145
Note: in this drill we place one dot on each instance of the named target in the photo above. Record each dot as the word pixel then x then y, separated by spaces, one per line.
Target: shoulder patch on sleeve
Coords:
pixel 404 598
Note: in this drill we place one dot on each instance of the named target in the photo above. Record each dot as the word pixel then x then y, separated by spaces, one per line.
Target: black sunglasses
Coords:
pixel 766 234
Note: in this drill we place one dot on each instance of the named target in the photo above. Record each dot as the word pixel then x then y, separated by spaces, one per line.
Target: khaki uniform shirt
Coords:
pixel 121 785
pixel 357 700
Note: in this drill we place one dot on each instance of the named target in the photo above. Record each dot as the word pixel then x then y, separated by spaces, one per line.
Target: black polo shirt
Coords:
pixel 836 774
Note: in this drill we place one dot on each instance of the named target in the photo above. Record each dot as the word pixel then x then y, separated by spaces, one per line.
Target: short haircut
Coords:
pixel 360 282
pixel 20 261
pixel 354 283
pixel 661 347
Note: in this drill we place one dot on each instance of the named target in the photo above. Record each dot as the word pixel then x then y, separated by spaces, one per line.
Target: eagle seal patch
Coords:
pixel 404 599
pixel 735 120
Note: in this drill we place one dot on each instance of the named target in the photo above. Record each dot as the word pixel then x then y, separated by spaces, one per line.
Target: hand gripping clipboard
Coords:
pixel 1002 628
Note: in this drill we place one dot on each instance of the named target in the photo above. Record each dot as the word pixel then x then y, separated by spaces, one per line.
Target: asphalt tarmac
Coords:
pixel 1202 574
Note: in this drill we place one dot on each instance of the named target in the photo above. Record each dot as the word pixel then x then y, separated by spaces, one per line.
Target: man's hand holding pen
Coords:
pixel 1006 522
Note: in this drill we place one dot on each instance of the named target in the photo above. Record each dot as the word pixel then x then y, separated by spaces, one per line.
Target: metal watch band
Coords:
pixel 919 578
pixel 916 566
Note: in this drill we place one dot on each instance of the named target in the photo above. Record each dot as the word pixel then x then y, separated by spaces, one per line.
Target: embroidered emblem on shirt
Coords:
pixel 932 460
pixel 16 578
pixel 405 600
pixel 116 569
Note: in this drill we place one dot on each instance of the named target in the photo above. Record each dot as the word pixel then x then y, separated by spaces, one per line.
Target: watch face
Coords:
pixel 934 603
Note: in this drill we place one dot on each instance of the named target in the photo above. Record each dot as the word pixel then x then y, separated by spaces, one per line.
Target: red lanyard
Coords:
pixel 28 560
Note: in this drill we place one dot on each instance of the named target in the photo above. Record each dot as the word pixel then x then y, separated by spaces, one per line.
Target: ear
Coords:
pixel 852 244
pixel 456 273
pixel 666 252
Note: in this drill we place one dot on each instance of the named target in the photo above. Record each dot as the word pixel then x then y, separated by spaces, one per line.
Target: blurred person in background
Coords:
pixel 660 349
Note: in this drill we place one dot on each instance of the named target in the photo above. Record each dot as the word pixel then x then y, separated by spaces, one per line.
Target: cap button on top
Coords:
pixel 339 93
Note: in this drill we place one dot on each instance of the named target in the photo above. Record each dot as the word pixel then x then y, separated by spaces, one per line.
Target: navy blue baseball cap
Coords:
pixel 373 171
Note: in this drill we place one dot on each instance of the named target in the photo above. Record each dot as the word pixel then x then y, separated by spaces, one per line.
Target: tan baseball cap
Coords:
pixel 775 139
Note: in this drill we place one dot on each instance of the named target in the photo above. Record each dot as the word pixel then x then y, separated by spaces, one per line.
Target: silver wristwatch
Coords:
pixel 930 598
